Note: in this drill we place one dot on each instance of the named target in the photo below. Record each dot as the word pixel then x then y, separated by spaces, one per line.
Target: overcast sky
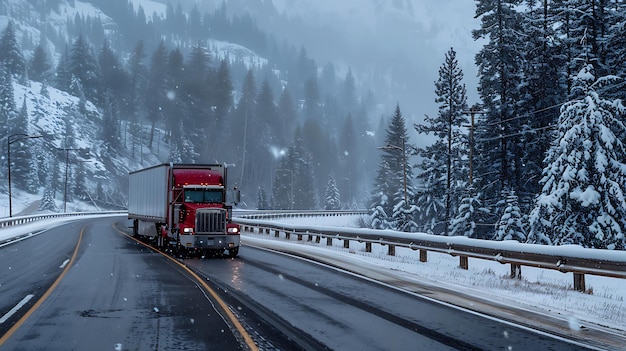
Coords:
pixel 408 37
pixel 402 40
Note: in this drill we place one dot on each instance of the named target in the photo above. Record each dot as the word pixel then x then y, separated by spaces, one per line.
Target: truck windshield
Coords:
pixel 203 195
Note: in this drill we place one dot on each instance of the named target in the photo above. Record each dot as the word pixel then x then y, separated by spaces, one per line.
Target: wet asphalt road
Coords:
pixel 119 295
pixel 345 312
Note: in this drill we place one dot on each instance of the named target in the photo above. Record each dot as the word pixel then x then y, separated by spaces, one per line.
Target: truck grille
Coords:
pixel 212 221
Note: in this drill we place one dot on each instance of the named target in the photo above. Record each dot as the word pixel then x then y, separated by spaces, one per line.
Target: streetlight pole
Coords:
pixel 20 136
pixel 402 149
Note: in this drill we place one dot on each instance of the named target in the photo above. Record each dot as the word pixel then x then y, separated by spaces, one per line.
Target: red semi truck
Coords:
pixel 183 208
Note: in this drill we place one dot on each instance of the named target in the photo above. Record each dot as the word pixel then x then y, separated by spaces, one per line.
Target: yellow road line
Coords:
pixel 244 334
pixel 43 298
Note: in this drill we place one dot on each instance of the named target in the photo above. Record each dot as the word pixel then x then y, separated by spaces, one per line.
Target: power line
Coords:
pixel 527 114
pixel 518 133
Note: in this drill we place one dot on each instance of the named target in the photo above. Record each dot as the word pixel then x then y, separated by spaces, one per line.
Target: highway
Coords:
pixel 114 295
pixel 94 288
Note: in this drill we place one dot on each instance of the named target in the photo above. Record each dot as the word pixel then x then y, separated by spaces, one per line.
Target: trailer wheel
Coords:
pixel 135 228
pixel 232 253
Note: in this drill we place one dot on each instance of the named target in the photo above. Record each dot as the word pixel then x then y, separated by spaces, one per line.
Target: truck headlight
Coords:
pixel 233 230
pixel 188 230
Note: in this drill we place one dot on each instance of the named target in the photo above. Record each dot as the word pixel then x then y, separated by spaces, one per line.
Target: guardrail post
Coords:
pixel 368 247
pixel 318 239
pixel 277 233
pixel 346 243
pixel 287 235
pixel 309 237
pixel 391 250
pixel 299 237
pixel 579 282
pixel 464 262
pixel 329 242
pixel 423 255
pixel 267 230
pixel 516 271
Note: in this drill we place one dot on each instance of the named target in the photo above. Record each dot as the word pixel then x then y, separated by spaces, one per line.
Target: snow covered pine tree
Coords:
pixel 584 181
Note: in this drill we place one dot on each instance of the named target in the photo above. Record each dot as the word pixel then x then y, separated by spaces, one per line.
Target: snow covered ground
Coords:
pixel 541 289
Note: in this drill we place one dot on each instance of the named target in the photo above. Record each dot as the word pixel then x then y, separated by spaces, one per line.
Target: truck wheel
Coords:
pixel 135 228
pixel 232 253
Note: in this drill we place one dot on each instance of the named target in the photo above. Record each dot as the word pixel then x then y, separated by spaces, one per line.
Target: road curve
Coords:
pixel 342 311
pixel 116 294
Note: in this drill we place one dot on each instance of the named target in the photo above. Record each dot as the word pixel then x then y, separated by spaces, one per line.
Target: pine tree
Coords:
pixel 403 217
pixel 183 149
pixel 348 93
pixel 443 162
pixel 11 55
pixel 21 157
pixel 63 76
pixel 76 88
pixel 69 122
pixel 137 79
pixel 304 197
pixel 286 116
pixel 379 203
pixel 498 145
pixel 80 186
pixel 584 182
pixel 39 66
pixel 511 225
pixel 332 200
pixel 263 131
pixel 156 90
pixel 543 89
pixel 350 160
pixel 312 99
pixel 43 160
pixel 109 130
pixel 261 201
pixel 198 91
pixel 470 214
pixel 7 102
pixel 616 54
pixel 223 95
pixel 47 202
pixel 174 107
pixel 113 78
pixel 393 182
pixel 283 185
pixel 83 66
pixel 293 186
pixel 44 90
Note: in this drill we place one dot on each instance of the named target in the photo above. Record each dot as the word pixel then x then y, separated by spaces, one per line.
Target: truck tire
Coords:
pixel 232 253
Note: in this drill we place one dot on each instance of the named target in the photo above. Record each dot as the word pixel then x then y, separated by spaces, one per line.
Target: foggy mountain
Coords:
pixel 335 115
pixel 394 47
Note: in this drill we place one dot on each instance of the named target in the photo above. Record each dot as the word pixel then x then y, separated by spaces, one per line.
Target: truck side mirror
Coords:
pixel 233 196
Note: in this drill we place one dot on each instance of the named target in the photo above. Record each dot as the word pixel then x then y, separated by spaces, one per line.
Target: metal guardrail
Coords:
pixel 570 258
pixel 7 222
pixel 274 214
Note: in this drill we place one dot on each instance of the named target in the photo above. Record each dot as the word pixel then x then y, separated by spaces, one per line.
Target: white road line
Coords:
pixel 64 263
pixel 16 308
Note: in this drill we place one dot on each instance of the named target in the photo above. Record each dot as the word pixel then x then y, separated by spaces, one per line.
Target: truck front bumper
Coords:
pixel 211 242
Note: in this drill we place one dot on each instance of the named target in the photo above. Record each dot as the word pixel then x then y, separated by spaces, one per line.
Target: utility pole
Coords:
pixel 67 161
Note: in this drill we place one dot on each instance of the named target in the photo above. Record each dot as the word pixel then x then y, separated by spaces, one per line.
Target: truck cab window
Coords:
pixel 203 196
